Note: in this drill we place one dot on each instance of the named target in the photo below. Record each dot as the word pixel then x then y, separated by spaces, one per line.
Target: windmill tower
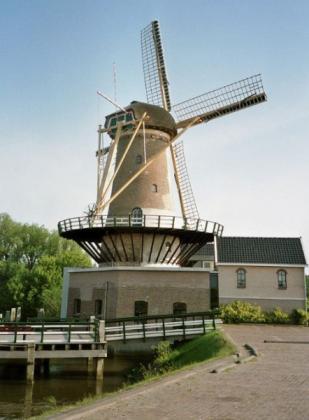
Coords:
pixel 134 220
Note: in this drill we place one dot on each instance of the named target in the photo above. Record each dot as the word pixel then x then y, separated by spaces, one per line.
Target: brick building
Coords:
pixel 266 271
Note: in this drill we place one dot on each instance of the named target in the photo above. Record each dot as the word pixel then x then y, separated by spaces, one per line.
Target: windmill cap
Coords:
pixel 157 118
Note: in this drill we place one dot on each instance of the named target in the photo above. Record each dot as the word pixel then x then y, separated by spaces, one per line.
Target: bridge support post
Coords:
pixel 100 369
pixel 28 400
pixel 90 365
pixel 100 360
pixel 30 362
pixel 101 331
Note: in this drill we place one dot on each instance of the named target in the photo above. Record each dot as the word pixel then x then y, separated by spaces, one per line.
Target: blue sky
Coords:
pixel 249 170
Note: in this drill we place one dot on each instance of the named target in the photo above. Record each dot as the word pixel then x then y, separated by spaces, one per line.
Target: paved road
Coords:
pixel 274 386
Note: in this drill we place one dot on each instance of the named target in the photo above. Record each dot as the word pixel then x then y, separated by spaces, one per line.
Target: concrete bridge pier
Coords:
pixel 28 400
pixel 30 363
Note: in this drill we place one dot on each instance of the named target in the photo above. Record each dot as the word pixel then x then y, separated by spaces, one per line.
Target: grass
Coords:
pixel 211 346
pixel 206 347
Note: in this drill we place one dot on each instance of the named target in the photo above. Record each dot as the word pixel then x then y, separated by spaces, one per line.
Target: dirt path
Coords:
pixel 275 386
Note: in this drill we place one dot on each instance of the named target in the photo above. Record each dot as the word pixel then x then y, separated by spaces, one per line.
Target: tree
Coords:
pixel 32 260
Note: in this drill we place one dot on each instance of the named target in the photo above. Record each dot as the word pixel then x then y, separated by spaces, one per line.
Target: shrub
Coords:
pixel 240 311
pixel 278 316
pixel 299 316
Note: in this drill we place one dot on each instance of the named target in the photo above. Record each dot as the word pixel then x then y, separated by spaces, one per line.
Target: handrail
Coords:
pixel 135 319
pixel 147 221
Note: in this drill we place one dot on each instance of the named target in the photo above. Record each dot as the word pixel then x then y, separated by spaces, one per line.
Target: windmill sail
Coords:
pixel 219 102
pixel 156 82
pixel 187 201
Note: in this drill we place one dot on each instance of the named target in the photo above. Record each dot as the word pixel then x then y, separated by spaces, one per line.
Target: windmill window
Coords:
pixel 137 217
pixel 140 308
pixel 98 307
pixel 179 308
pixel 281 276
pixel 241 278
pixel 138 159
pixel 113 121
pixel 137 212
pixel 154 188
pixel 77 306
pixel 129 117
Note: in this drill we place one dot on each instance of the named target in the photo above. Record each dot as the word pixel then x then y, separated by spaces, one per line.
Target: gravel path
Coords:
pixel 273 386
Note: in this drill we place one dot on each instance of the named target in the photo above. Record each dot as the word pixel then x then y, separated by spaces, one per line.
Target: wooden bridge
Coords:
pixel 53 340
pixel 161 327
pixel 87 339
pixel 79 335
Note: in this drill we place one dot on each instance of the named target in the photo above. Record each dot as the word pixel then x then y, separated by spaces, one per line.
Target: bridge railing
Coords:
pixel 118 329
pixel 50 332
pixel 161 326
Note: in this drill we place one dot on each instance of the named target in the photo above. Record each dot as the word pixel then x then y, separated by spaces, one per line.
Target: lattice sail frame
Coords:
pixel 155 76
pixel 219 102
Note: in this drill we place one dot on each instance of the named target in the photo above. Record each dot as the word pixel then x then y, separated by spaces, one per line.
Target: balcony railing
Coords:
pixel 146 221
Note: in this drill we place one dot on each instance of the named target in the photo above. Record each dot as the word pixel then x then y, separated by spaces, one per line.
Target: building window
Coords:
pixel 154 188
pixel 281 275
pixel 140 308
pixel 179 308
pixel 241 278
pixel 138 159
pixel 98 307
pixel 77 306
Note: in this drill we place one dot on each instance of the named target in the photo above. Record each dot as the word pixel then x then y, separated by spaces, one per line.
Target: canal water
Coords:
pixel 66 382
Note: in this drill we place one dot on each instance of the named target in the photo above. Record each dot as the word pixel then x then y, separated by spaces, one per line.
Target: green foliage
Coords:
pixel 31 267
pixel 241 311
pixel 209 346
pixel 299 316
pixel 278 316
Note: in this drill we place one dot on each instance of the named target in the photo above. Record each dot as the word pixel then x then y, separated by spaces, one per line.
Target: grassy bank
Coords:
pixel 208 347
pixel 211 346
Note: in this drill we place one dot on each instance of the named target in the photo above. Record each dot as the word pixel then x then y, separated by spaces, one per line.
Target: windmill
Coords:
pixel 134 219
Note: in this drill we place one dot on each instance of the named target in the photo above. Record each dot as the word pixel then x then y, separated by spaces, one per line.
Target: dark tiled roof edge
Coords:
pixel 261 250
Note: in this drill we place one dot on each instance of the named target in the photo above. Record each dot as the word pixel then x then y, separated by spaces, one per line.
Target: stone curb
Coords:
pixel 253 354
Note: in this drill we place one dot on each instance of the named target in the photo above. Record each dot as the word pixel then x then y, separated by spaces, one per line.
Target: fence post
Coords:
pixel 183 327
pixel 69 333
pixel 144 331
pixel 163 327
pixel 213 321
pixel 42 332
pixel 204 329
pixel 101 331
pixel 13 315
pixel 124 331
pixel 15 333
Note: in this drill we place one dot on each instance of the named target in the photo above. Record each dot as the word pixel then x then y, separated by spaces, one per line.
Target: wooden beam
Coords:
pixel 145 166
pixel 108 162
pixel 177 181
pixel 123 156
